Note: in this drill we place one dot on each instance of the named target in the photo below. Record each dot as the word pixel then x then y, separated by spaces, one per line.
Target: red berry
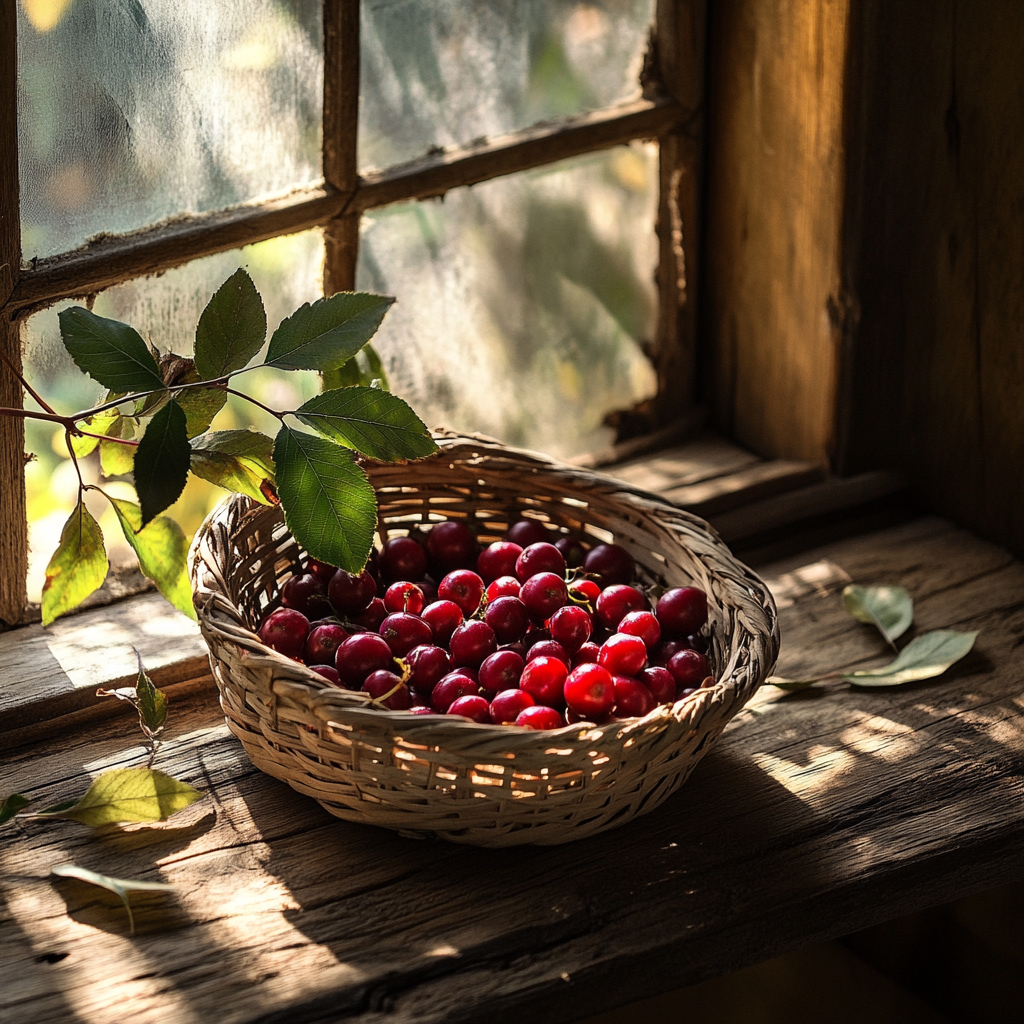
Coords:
pixel 449 689
pixel 329 672
pixel 427 664
pixel 587 654
pixel 543 679
pixel 539 558
pixel 321 570
pixel 403 632
pixel 571 626
pixel 632 698
pixel 509 619
pixel 662 654
pixel 623 654
pixel 689 668
pixel 573 550
pixel 307 594
pixel 549 649
pixel 464 587
pixel 682 611
pixel 500 671
pixel 539 717
pixel 543 595
pixel 472 707
pixel 643 625
pixel 402 558
pixel 351 594
pixel 323 642
pixel 584 592
pixel 526 532
pixel 616 602
pixel 444 617
pixel 381 682
pixel 360 655
pixel 589 691
pixel 372 617
pixel 503 586
pixel 472 642
pixel 660 682
pixel 451 545
pixel 508 704
pixel 404 597
pixel 499 559
pixel 285 630
pixel 421 709
pixel 610 563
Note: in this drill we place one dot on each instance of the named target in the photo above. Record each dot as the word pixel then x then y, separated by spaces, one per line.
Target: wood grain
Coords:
pixel 935 222
pixel 818 815
pixel 774 202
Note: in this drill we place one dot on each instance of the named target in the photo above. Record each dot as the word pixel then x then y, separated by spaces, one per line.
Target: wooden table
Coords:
pixel 817 814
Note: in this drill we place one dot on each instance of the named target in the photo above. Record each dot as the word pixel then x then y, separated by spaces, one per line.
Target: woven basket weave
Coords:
pixel 444 775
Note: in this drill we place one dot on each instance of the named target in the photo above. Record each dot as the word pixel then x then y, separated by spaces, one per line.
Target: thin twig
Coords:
pixel 249 398
pixel 25 384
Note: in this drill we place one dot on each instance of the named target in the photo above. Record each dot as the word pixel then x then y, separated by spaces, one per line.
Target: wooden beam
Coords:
pixel 437 173
pixel 14 549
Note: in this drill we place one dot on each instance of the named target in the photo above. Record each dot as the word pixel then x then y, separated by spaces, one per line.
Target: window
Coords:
pixel 323 131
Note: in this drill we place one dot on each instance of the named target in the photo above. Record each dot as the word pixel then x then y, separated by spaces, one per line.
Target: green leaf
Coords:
pixel 107 423
pixel 148 701
pixel 369 420
pixel 238 460
pixel 200 406
pixel 232 328
pixel 116 459
pixel 889 608
pixel 328 503
pixel 162 551
pixel 121 887
pixel 10 806
pixel 327 333
pixel 924 657
pixel 110 352
pixel 129 794
pixel 78 566
pixel 792 684
pixel 162 461
pixel 365 368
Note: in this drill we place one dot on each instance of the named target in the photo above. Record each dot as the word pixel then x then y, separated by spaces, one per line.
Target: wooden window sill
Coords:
pixel 816 815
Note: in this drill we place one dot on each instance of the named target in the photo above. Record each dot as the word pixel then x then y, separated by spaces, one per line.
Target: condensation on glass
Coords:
pixel 136 111
pixel 287 272
pixel 523 303
pixel 443 72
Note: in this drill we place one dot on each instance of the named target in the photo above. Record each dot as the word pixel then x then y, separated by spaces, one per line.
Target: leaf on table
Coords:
pixel 329 505
pixel 78 566
pixel 237 460
pixel 924 657
pixel 162 461
pixel 10 806
pixel 121 887
pixel 128 795
pixel 109 351
pixel 889 608
pixel 365 368
pixel 232 328
pixel 162 551
pixel 791 684
pixel 371 421
pixel 327 333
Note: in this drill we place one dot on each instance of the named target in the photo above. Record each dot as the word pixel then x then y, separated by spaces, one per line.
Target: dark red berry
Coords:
pixel 323 642
pixel 444 617
pixel 682 611
pixel 548 649
pixel 616 602
pixel 573 550
pixel 632 698
pixel 587 653
pixel 500 671
pixel 539 717
pixel 499 559
pixel 543 679
pixel 306 593
pixel 610 563
pixel 543 595
pixel 571 626
pixel 382 682
pixel 472 707
pixel 427 664
pixel 538 558
pixel 360 655
pixel 329 672
pixel 643 625
pixel 503 586
pixel 589 691
pixel 623 654
pixel 526 532
pixel 402 558
pixel 449 689
pixel 662 654
pixel 285 630
pixel 584 592
pixel 689 668
pixel 507 705
pixel 472 642
pixel 509 619
pixel 660 682
pixel 323 571
pixel 451 545
pixel 373 616
pixel 464 587
pixel 404 597
pixel 351 594
pixel 403 632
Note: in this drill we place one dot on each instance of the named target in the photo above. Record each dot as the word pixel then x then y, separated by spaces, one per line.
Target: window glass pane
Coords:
pixel 524 302
pixel 165 310
pixel 136 111
pixel 441 72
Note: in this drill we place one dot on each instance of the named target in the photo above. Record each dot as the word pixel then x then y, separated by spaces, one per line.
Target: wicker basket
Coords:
pixel 444 775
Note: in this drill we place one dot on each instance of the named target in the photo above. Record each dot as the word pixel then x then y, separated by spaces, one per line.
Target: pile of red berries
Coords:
pixel 524 632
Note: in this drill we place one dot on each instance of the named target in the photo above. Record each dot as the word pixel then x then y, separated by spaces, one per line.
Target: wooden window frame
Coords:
pixel 670 112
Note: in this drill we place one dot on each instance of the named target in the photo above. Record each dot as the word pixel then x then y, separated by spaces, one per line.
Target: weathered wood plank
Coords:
pixel 705 457
pixel 754 483
pixel 820 814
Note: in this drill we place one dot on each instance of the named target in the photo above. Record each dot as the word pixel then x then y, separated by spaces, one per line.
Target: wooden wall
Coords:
pixel 864 234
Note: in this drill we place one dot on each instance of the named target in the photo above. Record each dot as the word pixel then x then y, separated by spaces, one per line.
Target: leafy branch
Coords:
pixel 155 424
